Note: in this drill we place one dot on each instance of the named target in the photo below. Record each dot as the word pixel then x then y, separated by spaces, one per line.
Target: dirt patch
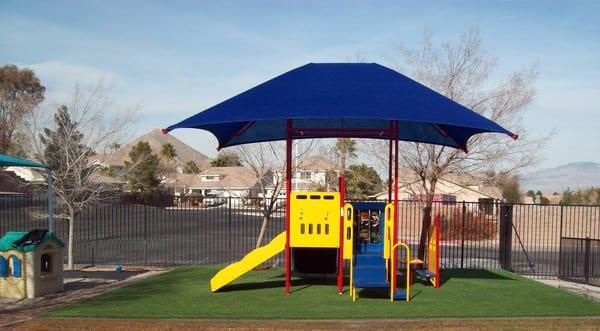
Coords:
pixel 434 324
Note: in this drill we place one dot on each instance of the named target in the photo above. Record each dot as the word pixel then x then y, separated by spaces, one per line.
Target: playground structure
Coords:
pixel 317 239
pixel 341 100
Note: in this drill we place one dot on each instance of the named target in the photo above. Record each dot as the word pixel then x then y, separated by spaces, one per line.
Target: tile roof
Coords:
pixel 229 177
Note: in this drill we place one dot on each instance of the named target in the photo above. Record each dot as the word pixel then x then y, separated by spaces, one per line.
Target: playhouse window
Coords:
pixel 47 264
pixel 14 266
pixel 3 267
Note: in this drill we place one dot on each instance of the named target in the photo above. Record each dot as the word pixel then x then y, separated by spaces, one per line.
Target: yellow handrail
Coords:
pixel 393 271
pixel 348 244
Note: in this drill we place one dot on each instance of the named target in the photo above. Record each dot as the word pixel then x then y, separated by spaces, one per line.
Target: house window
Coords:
pixel 210 178
pixel 306 175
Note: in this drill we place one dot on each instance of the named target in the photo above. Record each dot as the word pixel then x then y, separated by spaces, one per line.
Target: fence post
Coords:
pixel 586 265
pixel 145 235
pixel 560 244
pixel 505 239
pixel 462 235
pixel 229 239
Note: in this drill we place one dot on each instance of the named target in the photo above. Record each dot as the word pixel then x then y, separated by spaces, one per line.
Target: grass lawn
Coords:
pixel 184 293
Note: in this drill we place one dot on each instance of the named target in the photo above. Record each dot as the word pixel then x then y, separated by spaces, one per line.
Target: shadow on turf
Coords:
pixel 297 284
pixel 382 293
pixel 471 274
pixel 306 281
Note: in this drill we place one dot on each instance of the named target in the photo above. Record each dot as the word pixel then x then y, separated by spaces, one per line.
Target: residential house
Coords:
pixel 20 180
pixel 450 189
pixel 222 181
pixel 309 174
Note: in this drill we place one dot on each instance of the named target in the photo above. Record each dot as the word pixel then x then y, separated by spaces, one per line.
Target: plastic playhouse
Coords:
pixel 30 264
pixel 342 100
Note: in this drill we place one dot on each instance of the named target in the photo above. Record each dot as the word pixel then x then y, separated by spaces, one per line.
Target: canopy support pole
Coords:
pixel 50 201
pixel 288 193
pixel 390 142
pixel 396 211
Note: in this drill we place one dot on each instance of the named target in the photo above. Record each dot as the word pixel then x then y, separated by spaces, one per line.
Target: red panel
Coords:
pixel 436 224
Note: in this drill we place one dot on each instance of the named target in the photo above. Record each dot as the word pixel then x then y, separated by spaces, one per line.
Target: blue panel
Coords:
pixel 375 205
pixel 341 96
pixel 3 267
pixel 369 272
pixel 16 266
pixel 400 294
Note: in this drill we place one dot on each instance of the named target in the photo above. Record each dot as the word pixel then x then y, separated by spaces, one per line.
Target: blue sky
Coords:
pixel 176 58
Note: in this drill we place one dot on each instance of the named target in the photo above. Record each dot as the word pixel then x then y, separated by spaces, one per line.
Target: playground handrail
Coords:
pixel 393 270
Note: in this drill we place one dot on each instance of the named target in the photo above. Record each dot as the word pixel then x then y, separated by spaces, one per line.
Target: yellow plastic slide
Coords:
pixel 249 262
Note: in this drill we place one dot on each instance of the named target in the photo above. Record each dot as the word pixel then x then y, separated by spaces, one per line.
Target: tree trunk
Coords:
pixel 426 221
pixel 343 164
pixel 70 263
pixel 263 228
pixel 425 228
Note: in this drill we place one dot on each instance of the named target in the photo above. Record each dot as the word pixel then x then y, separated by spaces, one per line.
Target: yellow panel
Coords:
pixel 432 252
pixel 389 229
pixel 348 229
pixel 315 219
pixel 432 247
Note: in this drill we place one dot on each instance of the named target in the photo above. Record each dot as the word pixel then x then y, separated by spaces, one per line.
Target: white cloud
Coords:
pixel 60 78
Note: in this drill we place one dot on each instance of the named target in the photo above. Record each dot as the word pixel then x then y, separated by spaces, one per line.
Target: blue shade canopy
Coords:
pixel 8 161
pixel 347 100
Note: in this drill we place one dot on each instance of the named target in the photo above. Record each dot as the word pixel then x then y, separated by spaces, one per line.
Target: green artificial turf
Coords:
pixel 184 293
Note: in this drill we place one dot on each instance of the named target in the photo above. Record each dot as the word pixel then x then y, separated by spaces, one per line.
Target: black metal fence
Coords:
pixel 580 260
pixel 522 238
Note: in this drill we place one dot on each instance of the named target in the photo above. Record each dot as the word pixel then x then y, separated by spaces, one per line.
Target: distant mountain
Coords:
pixel 156 140
pixel 576 175
pixel 185 153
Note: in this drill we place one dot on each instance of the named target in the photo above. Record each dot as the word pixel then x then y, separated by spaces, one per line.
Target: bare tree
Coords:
pixel 462 73
pixel 89 122
pixel 264 160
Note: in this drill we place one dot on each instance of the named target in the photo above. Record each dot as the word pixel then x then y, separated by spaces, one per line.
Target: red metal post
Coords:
pixel 436 224
pixel 288 191
pixel 396 211
pixel 340 278
pixel 390 163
